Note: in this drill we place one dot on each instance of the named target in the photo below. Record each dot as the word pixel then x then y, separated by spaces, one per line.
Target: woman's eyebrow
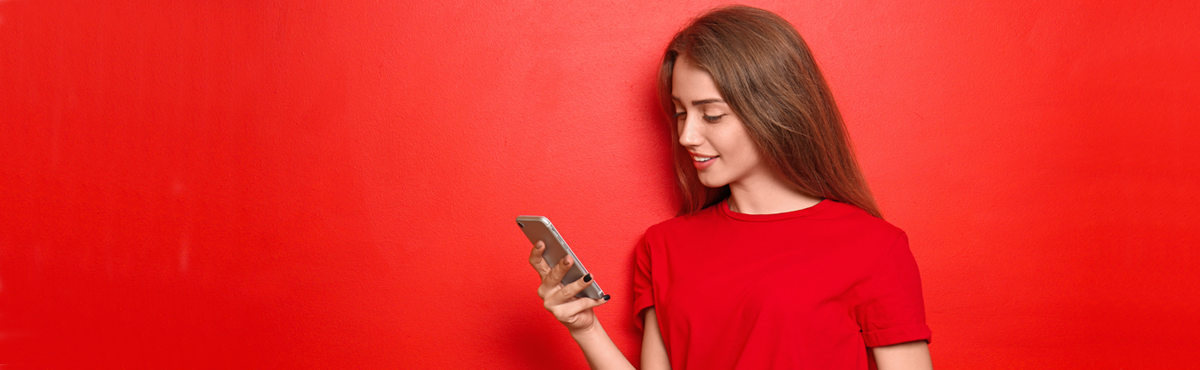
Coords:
pixel 698 102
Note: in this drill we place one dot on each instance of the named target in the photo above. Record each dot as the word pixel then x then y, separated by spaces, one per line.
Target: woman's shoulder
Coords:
pixel 687 221
pixel 850 217
pixel 850 213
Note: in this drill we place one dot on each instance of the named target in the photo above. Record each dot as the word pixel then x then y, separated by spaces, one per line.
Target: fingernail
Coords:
pixel 588 278
pixel 606 297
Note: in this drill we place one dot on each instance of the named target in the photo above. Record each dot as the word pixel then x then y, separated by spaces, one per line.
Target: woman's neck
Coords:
pixel 770 194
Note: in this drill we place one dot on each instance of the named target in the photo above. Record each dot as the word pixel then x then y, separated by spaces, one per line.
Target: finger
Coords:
pixel 570 290
pixel 554 277
pixel 579 305
pixel 537 261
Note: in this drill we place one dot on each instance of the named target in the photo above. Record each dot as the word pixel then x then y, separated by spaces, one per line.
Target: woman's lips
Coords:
pixel 701 162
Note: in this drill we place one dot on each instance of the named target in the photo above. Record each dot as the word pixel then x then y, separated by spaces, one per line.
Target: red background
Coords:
pixel 317 184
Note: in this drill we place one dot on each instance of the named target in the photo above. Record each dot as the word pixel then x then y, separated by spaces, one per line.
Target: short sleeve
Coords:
pixel 643 287
pixel 891 309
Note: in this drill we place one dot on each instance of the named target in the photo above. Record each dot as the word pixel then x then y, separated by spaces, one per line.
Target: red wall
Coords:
pixel 332 184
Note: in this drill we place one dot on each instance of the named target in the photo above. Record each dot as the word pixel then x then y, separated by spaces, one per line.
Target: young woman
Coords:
pixel 779 257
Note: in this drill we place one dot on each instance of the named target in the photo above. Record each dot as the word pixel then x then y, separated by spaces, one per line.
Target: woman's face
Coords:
pixel 721 148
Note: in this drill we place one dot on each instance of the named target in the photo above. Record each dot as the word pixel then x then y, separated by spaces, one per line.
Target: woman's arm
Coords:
pixel 576 313
pixel 904 356
pixel 654 350
pixel 599 349
pixel 601 353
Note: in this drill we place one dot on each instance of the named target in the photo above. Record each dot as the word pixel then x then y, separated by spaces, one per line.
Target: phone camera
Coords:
pixel 520 225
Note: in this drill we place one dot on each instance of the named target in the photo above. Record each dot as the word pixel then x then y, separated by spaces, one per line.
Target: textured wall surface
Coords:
pixel 332 184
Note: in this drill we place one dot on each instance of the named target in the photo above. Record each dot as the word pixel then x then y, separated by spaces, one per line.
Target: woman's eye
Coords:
pixel 713 119
pixel 679 115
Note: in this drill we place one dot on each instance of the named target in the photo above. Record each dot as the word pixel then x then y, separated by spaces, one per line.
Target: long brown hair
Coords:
pixel 767 75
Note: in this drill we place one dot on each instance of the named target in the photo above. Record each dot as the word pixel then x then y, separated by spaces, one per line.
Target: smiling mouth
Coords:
pixel 703 159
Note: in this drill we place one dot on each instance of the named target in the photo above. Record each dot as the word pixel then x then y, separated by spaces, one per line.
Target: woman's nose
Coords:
pixel 688 135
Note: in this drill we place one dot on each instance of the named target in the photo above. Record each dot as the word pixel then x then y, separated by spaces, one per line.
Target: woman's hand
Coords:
pixel 574 313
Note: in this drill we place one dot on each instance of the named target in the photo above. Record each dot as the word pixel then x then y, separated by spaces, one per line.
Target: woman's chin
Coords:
pixel 712 183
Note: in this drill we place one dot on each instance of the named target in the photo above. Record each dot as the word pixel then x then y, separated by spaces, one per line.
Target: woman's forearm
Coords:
pixel 576 313
pixel 599 349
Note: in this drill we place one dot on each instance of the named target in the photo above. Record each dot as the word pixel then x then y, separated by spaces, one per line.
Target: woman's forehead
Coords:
pixel 692 84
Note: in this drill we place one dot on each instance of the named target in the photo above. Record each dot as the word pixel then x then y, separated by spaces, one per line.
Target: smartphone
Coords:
pixel 539 228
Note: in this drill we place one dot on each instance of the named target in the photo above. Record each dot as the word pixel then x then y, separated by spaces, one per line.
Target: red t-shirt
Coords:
pixel 808 289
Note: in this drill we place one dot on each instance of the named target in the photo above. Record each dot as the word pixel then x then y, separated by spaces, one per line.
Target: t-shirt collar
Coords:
pixel 724 207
